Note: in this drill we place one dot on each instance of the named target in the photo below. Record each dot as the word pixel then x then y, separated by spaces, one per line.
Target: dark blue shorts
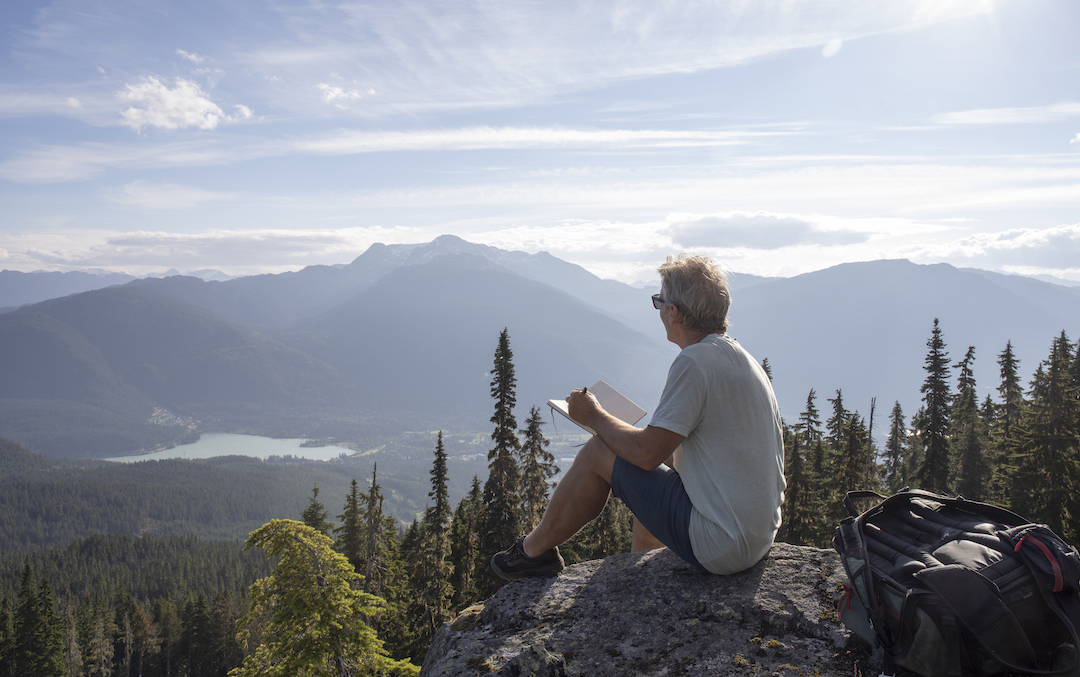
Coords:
pixel 659 501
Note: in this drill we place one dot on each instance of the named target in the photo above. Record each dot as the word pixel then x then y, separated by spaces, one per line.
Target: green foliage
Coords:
pixel 1046 447
pixel 309 617
pixel 969 437
pixel 934 474
pixel 502 503
pixel 537 469
pixel 315 513
pixel 431 569
pixel 465 546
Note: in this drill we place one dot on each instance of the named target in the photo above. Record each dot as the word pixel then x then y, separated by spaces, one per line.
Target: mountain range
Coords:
pixel 405 334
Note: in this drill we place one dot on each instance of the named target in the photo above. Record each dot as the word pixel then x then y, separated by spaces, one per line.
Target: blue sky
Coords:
pixel 780 136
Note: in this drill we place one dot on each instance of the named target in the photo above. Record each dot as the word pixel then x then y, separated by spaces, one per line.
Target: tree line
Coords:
pixel 1020 450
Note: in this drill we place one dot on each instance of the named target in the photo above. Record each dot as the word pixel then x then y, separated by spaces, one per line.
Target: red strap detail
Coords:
pixel 1059 580
pixel 844 599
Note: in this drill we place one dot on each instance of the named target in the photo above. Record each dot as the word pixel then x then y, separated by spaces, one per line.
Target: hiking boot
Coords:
pixel 513 563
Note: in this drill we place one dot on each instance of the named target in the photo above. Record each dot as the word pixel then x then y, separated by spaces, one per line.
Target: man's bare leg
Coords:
pixel 577 500
pixel 642 539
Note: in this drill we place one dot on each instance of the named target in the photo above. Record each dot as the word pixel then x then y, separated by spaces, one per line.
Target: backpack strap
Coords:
pixel 976 603
pixel 850 496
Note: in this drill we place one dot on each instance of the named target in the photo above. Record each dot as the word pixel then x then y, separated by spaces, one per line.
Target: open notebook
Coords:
pixel 613 402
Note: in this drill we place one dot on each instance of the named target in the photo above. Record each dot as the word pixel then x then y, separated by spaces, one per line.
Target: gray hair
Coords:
pixel 698 286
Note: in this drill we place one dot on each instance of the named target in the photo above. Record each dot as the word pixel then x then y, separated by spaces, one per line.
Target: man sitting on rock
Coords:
pixel 706 476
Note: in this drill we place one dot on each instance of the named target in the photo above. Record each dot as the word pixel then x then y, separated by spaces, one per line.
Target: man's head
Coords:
pixel 697 286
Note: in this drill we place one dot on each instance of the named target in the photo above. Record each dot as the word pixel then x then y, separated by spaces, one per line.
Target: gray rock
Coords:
pixel 651 614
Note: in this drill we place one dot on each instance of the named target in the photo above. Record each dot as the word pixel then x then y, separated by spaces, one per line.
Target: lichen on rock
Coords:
pixel 652 614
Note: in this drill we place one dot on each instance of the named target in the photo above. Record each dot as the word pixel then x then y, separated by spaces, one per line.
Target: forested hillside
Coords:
pixel 1017 446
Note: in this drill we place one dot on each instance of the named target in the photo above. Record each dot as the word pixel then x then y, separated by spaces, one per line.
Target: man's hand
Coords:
pixel 645 448
pixel 583 407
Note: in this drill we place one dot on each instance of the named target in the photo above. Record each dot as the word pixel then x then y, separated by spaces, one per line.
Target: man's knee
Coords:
pixel 596 457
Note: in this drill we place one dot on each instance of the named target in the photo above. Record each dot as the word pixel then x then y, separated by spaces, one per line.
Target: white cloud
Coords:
pixel 148 195
pixel 515 138
pixel 755 230
pixel 1076 140
pixel 73 102
pixel 191 56
pixel 185 105
pixel 832 48
pixel 1011 116
pixel 332 94
pixel 1053 248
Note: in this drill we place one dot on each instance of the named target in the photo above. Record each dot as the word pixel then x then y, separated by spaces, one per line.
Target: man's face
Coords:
pixel 666 315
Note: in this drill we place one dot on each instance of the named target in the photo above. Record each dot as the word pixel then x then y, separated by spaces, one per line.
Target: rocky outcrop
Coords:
pixel 651 614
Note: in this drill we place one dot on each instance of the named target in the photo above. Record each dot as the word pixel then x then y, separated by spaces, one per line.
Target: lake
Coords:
pixel 229 444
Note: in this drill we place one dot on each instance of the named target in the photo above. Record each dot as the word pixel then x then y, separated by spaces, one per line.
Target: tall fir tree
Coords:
pixel 431 569
pixel 1002 429
pixel 799 511
pixel 501 491
pixel 465 545
pixel 896 452
pixel 969 435
pixel 537 469
pixel 934 471
pixel 351 533
pixel 1047 446
pixel 1010 390
pixel 315 514
pixel 810 422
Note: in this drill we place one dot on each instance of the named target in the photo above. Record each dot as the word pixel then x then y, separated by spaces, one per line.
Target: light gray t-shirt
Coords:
pixel 732 458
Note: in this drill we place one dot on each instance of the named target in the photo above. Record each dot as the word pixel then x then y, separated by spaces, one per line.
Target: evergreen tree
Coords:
pixel 850 470
pixel 465 545
pixel 315 514
pixel 167 620
pixel 799 512
pixel 896 451
pixel 72 650
pixel 501 491
pixel 351 535
pixel 837 423
pixel 309 616
pixel 1047 446
pixel 38 635
pixel 809 422
pixel 969 437
pixel 100 650
pixel 7 639
pixel 1003 427
pixel 934 472
pixel 537 469
pixel 1012 395
pixel 431 569
pixel 767 368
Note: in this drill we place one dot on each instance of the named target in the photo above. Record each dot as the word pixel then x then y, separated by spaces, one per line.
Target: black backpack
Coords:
pixel 955 588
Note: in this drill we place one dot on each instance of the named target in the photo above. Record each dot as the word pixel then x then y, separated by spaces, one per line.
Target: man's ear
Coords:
pixel 676 314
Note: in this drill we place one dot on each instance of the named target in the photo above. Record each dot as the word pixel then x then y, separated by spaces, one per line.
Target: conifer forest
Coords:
pixel 352 590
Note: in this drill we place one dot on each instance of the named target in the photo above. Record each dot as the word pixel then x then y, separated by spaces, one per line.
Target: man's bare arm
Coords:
pixel 646 448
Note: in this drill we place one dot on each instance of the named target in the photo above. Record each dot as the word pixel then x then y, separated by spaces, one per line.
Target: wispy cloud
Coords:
pixel 1011 116
pixel 158 196
pixel 233 251
pixel 191 56
pixel 516 138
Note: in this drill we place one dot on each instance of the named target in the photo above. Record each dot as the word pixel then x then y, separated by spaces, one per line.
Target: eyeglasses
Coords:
pixel 658 302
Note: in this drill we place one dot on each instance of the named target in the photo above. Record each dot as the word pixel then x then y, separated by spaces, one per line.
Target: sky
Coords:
pixel 780 136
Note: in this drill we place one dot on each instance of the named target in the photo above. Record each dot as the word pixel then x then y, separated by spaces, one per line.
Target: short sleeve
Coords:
pixel 682 404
